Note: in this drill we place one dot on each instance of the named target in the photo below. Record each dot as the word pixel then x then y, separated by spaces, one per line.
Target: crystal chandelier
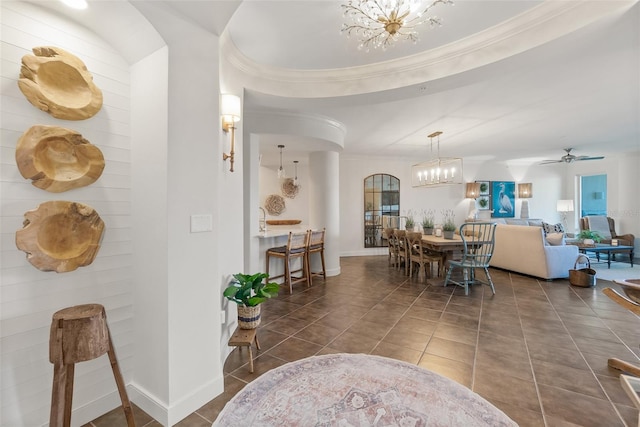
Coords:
pixel 380 23
pixel 438 170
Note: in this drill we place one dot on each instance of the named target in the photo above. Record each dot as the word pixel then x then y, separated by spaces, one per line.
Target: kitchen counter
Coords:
pixel 282 230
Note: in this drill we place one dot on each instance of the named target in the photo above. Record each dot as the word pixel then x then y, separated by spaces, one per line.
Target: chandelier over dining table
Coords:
pixel 380 23
pixel 438 170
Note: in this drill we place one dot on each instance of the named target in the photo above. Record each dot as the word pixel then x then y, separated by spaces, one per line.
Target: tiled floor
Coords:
pixel 537 350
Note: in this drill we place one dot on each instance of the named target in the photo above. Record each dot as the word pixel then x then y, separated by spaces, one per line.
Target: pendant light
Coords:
pixel 295 179
pixel 281 172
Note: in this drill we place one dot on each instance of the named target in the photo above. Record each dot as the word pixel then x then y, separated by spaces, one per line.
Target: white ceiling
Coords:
pixel 555 86
pixel 580 90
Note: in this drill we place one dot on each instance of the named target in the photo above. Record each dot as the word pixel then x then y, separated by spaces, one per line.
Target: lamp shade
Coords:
pixel 230 107
pixel 472 190
pixel 565 206
pixel 525 190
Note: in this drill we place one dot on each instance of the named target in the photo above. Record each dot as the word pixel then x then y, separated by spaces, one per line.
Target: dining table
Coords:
pixel 447 247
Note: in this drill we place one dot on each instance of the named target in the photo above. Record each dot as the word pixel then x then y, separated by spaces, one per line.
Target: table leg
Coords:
pixel 609 259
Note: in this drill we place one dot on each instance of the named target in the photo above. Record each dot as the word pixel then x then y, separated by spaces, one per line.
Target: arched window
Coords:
pixel 381 207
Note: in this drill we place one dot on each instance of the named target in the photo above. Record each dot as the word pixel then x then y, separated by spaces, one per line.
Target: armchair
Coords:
pixel 597 223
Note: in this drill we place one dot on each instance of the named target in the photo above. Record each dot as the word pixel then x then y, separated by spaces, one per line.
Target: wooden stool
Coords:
pixel 78 334
pixel 244 338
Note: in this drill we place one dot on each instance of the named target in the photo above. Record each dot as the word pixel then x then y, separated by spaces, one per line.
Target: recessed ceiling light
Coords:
pixel 76 4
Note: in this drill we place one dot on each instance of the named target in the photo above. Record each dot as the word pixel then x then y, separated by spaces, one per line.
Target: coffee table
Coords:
pixel 600 248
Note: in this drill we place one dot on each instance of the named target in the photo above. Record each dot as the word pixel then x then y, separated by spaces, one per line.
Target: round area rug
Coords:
pixel 357 390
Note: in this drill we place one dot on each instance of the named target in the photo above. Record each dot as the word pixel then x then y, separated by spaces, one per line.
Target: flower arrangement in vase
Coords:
pixel 409 223
pixel 428 221
pixel 448 223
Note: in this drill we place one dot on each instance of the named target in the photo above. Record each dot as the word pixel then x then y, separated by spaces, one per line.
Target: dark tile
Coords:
pixel 491 343
pixel 495 385
pixel 194 420
pixel 116 418
pixel 453 350
pixel 294 349
pixel 456 333
pixel 568 378
pixel 318 334
pixel 452 369
pixel 349 342
pixel 394 351
pixel 578 408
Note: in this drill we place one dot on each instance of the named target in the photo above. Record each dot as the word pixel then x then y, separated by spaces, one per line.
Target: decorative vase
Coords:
pixel 408 227
pixel 248 317
pixel 448 234
pixel 427 230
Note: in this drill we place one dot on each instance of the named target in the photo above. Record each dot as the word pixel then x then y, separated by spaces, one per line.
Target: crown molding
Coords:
pixel 539 25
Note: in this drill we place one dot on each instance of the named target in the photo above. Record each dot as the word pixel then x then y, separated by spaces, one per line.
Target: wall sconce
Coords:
pixel 230 113
pixel 525 191
pixel 563 207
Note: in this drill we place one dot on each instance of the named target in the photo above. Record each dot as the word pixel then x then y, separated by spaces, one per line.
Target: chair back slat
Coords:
pixel 479 241
pixel 317 238
pixel 297 241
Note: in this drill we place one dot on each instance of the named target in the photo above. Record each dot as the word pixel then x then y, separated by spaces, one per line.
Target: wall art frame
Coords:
pixel 503 199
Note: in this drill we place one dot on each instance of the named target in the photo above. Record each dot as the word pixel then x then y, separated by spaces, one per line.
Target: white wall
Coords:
pixel 296 208
pixel 29 297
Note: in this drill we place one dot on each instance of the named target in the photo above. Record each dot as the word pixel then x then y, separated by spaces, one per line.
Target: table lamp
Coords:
pixel 525 192
pixel 563 207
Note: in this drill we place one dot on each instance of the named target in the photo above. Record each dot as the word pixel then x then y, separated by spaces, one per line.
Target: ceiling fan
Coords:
pixel 570 158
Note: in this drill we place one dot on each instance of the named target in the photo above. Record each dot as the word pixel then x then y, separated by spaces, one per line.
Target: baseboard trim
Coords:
pixel 168 416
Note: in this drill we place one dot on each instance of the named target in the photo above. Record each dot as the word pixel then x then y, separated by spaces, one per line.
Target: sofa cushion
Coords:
pixel 535 222
pixel 552 228
pixel 516 221
pixel 555 239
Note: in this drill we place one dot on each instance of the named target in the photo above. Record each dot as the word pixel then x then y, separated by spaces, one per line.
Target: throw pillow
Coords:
pixel 556 239
pixel 552 228
pixel 535 222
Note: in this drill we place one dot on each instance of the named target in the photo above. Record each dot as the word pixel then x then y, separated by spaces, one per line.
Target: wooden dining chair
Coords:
pixel 420 256
pixel 478 239
pixel 403 254
pixel 392 245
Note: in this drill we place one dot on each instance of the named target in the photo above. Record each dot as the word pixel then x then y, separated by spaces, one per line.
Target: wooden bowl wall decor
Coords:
pixel 60 236
pixel 57 82
pixel 274 204
pixel 58 159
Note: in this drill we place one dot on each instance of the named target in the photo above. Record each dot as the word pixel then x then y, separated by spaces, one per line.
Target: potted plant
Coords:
pixel 409 223
pixel 249 291
pixel 448 223
pixel 589 237
pixel 428 221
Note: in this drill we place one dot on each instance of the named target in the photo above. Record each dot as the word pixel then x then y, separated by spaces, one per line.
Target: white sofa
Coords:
pixel 522 249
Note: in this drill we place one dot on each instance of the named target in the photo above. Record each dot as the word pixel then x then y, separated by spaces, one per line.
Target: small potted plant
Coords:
pixel 448 223
pixel 249 291
pixel 428 221
pixel 409 223
pixel 589 237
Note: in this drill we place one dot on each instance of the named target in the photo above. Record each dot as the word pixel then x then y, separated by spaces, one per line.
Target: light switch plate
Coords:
pixel 201 223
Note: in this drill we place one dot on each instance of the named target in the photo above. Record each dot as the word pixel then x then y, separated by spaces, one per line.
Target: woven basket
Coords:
pixel 248 317
pixel 584 277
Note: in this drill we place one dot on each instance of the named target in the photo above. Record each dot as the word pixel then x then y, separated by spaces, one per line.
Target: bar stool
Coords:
pixel 296 247
pixel 79 333
pixel 316 246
